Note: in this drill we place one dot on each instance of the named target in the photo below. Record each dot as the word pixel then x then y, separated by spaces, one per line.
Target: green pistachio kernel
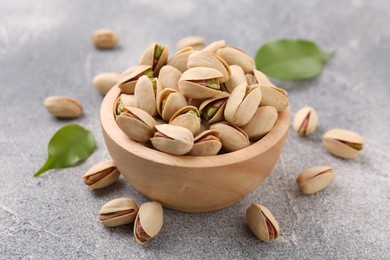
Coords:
pixel 192 112
pixel 355 146
pixel 149 73
pixel 209 112
pixel 213 83
pixel 158 50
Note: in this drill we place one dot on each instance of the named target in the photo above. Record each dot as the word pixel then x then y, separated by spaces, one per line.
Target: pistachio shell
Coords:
pixel 179 59
pixel 101 175
pixel 262 223
pixel 176 140
pixel 232 138
pixel 103 82
pixel 118 212
pixel 206 143
pixel 261 78
pixel 189 86
pixel 148 222
pixel 148 57
pixel 305 121
pixel 218 116
pixel 129 77
pixel 105 39
pixel 343 143
pixel 174 100
pixel 63 107
pixel 236 78
pixel 215 46
pixel 315 179
pixel 261 123
pixel 189 121
pixel 240 106
pixel 209 59
pixel 139 127
pixel 235 56
pixel 145 97
pixel 128 100
pixel 274 96
pixel 169 77
pixel 196 42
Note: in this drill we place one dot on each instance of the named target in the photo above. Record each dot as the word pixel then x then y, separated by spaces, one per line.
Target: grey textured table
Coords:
pixel 45 50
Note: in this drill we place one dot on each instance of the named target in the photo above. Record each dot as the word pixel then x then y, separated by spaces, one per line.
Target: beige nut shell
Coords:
pixel 305 121
pixel 236 56
pixel 274 96
pixel 181 139
pixel 129 78
pixel 97 182
pixel 63 107
pixel 174 101
pixel 196 42
pixel 118 205
pixel 315 179
pixel 208 147
pixel 334 141
pixel 262 223
pixel 103 82
pixel 150 215
pixel 147 58
pixel 169 77
pixel 105 39
pixel 219 115
pixel 189 121
pixel 232 138
pixel 261 123
pixel 145 97
pixel 180 58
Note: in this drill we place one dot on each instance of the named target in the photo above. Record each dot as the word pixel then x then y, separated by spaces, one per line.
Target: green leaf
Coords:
pixel 291 59
pixel 68 146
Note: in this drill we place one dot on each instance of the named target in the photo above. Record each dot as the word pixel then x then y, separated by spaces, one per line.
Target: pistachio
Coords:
pixel 196 42
pixel 305 121
pixel 118 212
pixel 187 117
pixel 179 59
pixel 148 222
pixel 212 109
pixel 261 78
pixel 137 124
pixel 172 139
pixel 168 102
pixel 105 39
pixel 206 143
pixel 343 143
pixel 274 96
pixel 315 179
pixel 169 77
pixel 155 56
pixel 262 223
pixel 128 100
pixel 236 56
pixel 242 104
pixel 63 107
pixel 261 123
pixel 236 78
pixel 129 77
pixel 103 82
pixel 232 137
pixel 200 82
pixel 209 59
pixel 145 95
pixel 215 46
pixel 101 175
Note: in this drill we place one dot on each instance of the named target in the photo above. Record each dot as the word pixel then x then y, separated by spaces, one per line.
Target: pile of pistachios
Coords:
pixel 201 101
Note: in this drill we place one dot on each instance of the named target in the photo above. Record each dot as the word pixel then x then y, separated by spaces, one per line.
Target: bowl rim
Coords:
pixel 112 131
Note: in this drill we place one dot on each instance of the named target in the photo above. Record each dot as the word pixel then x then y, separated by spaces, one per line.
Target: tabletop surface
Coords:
pixel 46 50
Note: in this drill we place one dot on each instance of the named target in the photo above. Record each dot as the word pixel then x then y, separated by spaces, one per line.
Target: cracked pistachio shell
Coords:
pixel 180 58
pixel 343 143
pixel 209 59
pixel 189 82
pixel 103 82
pixel 105 39
pixel 274 96
pixel 315 179
pixel 101 175
pixel 148 222
pixel 261 78
pixel 305 121
pixel 236 56
pixel 118 212
pixel 129 77
pixel 206 143
pixel 168 102
pixel 215 46
pixel 218 116
pixel 232 137
pixel 63 107
pixel 172 139
pixel 196 42
pixel 262 223
pixel 187 120
pixel 137 124
pixel 144 95
pixel 241 106
pixel 261 123
pixel 236 78
pixel 128 100
pixel 149 57
pixel 169 77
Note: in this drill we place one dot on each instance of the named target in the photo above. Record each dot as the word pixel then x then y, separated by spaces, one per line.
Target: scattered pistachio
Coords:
pixel 262 223
pixel 148 222
pixel 305 121
pixel 101 175
pixel 105 39
pixel 103 82
pixel 343 143
pixel 63 107
pixel 315 179
pixel 118 212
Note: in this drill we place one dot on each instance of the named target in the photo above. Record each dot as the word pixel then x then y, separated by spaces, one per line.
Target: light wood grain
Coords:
pixel 192 184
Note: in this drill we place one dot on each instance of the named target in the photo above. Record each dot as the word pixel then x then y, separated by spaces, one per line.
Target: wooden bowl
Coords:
pixel 186 183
